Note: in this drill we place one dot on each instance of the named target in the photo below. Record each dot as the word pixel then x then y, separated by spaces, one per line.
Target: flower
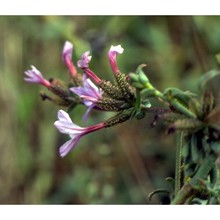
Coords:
pixel 67 56
pixel 89 92
pixel 84 64
pixel 85 60
pixel 35 76
pixel 112 54
pixel 65 125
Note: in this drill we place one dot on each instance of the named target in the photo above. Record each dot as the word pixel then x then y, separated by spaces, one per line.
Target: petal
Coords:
pixel 85 116
pixel 117 49
pixel 66 126
pixel 88 103
pixel 68 146
pixel 35 76
pixel 89 98
pixel 36 71
pixel 86 56
pixel 88 89
pixel 67 50
pixel 85 60
pixel 93 89
pixel 64 116
pixel 78 91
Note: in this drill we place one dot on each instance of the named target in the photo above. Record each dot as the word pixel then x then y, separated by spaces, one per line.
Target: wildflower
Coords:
pixel 65 125
pixel 85 60
pixel 84 64
pixel 67 56
pixel 112 54
pixel 89 92
pixel 35 76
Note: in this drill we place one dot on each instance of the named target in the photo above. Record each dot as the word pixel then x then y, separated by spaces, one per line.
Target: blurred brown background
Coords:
pixel 119 165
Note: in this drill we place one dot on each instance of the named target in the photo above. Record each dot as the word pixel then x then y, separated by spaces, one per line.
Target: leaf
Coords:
pixel 209 82
pixel 195 154
pixel 208 77
pixel 182 96
pixel 186 124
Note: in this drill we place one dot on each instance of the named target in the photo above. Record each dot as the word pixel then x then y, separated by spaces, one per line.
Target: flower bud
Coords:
pixel 137 85
pixel 133 77
pixel 142 77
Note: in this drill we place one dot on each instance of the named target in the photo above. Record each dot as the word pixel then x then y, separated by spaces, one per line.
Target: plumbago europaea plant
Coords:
pixel 194 117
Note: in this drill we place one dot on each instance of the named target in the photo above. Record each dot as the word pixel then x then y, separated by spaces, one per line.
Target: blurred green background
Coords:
pixel 119 165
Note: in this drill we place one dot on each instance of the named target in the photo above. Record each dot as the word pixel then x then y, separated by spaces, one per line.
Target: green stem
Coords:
pixel 184 193
pixel 157 93
pixel 178 163
pixel 189 188
pixel 181 108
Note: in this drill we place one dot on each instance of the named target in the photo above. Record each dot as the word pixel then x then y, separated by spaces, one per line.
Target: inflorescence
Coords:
pixel 89 90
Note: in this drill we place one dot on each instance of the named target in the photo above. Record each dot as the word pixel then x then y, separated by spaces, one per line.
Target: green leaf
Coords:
pixel 208 77
pixel 182 96
pixel 210 83
pixel 142 77
pixel 195 155
pixel 215 146
pixel 186 124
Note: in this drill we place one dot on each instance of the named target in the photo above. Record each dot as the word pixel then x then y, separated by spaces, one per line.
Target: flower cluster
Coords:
pixel 88 89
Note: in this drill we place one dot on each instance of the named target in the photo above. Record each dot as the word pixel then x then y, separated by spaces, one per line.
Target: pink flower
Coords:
pixel 35 76
pixel 66 126
pixel 85 60
pixel 84 64
pixel 89 92
pixel 67 57
pixel 112 54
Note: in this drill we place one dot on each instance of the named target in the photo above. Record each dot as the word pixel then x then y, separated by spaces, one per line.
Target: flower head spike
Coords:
pixel 65 125
pixel 67 56
pixel 84 64
pixel 112 54
pixel 35 76
pixel 90 94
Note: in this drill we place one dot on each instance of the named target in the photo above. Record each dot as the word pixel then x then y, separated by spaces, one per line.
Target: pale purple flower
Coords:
pixel 84 64
pixel 89 92
pixel 65 125
pixel 85 60
pixel 35 76
pixel 112 54
pixel 67 57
